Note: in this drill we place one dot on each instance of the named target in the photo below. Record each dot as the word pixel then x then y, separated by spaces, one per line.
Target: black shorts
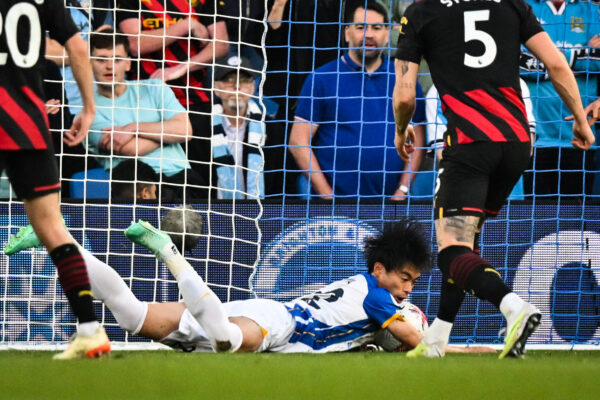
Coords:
pixel 477 178
pixel 32 173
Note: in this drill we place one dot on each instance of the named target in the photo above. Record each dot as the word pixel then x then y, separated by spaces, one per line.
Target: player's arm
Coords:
pixel 404 101
pixel 300 147
pixel 411 168
pixel 405 333
pixel 564 82
pixel 469 349
pixel 77 50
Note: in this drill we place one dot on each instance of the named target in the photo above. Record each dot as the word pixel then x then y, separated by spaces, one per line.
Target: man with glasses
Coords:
pixel 237 132
pixel 343 134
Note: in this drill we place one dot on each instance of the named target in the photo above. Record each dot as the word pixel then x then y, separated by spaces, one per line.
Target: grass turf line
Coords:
pixel 170 375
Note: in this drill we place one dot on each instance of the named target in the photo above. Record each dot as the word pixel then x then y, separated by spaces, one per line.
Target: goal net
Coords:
pixel 265 232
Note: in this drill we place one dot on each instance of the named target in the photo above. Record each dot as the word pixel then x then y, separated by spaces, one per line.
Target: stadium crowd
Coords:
pixel 193 111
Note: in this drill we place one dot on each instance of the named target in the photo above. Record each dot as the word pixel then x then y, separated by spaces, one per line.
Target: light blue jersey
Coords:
pixel 82 15
pixel 571 27
pixel 341 316
pixel 148 100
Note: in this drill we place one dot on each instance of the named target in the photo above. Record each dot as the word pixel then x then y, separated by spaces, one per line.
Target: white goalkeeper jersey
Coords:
pixel 341 316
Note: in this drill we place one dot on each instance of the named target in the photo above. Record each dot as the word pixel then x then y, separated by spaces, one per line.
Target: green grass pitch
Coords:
pixel 171 375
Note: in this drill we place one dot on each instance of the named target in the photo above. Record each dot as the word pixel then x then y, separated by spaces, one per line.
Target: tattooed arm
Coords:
pixel 404 103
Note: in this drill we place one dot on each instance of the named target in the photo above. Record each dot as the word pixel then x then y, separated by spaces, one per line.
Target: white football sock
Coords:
pixel 511 305
pixel 438 335
pixel 208 310
pixel 88 328
pixel 174 260
pixel 108 286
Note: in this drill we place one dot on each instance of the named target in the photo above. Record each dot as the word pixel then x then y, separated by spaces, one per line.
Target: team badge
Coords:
pixel 403 23
pixel 577 25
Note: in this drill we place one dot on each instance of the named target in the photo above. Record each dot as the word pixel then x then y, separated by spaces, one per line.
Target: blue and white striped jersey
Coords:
pixel 341 316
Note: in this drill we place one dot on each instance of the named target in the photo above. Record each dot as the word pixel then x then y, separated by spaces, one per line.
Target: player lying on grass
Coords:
pixel 342 316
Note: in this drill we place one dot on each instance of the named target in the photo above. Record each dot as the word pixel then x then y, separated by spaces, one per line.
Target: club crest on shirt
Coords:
pixel 403 23
pixel 577 24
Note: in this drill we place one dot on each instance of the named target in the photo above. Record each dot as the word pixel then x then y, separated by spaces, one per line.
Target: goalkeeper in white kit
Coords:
pixel 342 316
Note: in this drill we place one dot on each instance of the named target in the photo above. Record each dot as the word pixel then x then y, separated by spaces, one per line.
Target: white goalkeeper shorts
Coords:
pixel 277 323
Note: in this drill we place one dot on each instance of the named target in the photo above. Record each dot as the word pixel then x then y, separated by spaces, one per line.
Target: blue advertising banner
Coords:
pixel 548 254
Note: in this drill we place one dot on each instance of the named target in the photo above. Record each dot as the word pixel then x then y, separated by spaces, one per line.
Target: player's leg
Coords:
pixel 38 187
pixel 199 299
pixel 459 186
pixel 522 318
pixel 108 287
pixel 455 237
pixel 155 321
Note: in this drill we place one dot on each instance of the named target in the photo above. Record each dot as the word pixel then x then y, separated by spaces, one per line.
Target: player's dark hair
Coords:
pixel 107 38
pixel 373 5
pixel 123 187
pixel 399 243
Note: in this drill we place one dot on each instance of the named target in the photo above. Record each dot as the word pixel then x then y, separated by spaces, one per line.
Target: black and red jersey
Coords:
pixel 472 49
pixel 157 14
pixel 23 117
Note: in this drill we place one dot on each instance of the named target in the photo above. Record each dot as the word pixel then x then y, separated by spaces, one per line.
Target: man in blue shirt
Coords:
pixel 574 27
pixel 343 137
pixel 138 119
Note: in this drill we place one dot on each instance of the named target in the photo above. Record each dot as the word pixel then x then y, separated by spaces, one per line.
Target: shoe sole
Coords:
pixel 96 352
pixel 99 351
pixel 517 350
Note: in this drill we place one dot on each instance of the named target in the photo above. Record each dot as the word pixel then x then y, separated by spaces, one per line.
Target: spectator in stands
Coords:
pixel 343 136
pixel 557 167
pixel 71 159
pixel 175 41
pixel 89 16
pixel 302 36
pixel 238 133
pixel 138 118
pixel 244 20
pixel 62 91
pixel 133 179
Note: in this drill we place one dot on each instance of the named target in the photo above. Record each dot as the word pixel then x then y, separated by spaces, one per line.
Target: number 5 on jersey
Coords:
pixel 472 33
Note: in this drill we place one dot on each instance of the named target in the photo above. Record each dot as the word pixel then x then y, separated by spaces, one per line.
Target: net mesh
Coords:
pixel 282 246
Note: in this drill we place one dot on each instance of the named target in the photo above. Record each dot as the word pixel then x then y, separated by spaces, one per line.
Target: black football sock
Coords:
pixel 451 296
pixel 472 273
pixel 73 277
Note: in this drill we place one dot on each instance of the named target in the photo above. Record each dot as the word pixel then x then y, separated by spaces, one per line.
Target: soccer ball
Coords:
pixel 414 316
pixel 184 237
